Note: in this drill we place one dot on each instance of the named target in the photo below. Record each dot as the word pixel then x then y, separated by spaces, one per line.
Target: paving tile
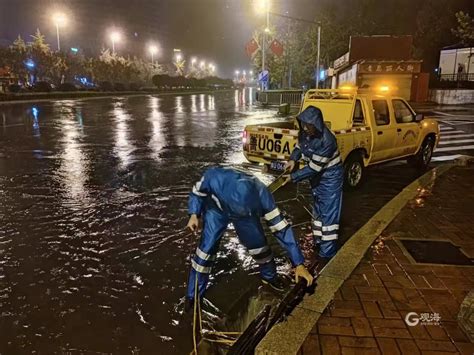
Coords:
pixel 391 333
pixel 454 332
pixel 419 332
pixel 311 346
pixel 388 346
pixel 371 309
pixel 437 332
pixel 348 293
pixel 466 348
pixel 329 345
pixel 335 330
pixel 397 294
pixel 388 309
pixel 360 351
pixel 361 326
pixel 408 346
pixel 387 323
pixel 435 345
pixel 357 342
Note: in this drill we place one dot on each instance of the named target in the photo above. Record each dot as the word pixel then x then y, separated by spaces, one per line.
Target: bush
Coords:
pixel 135 86
pixel 67 87
pixel 119 87
pixel 105 86
pixel 42 86
pixel 15 88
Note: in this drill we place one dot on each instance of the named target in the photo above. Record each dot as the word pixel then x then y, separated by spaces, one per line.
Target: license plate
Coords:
pixel 277 165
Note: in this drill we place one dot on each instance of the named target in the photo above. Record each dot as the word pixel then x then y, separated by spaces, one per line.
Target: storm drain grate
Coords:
pixel 435 252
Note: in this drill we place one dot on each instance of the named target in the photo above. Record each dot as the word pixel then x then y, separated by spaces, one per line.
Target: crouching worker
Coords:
pixel 224 196
pixel 317 146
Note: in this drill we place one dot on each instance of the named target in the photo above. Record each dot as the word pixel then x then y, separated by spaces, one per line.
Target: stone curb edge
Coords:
pixel 288 336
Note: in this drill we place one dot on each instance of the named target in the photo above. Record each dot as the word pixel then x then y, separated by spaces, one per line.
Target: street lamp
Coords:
pixel 115 37
pixel 193 61
pixel 203 64
pixel 263 6
pixel 59 20
pixel 153 50
pixel 179 57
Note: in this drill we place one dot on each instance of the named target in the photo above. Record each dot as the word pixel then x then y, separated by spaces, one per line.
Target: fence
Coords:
pixel 278 97
pixel 457 77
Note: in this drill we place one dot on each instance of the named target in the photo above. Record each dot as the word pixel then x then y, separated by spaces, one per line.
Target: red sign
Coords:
pixel 251 47
pixel 276 47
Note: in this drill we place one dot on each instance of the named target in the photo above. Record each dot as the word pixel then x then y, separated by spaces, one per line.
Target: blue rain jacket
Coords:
pixel 238 195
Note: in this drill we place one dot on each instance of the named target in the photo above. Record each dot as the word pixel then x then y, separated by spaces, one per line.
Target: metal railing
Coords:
pixel 278 97
pixel 457 77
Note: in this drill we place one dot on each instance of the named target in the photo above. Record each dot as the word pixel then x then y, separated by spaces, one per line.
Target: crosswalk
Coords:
pixel 453 142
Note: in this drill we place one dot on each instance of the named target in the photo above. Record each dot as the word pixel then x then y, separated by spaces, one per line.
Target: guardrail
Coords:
pixel 278 97
pixel 457 77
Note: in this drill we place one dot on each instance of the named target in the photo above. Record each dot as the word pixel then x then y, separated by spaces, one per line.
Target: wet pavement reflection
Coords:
pixel 93 254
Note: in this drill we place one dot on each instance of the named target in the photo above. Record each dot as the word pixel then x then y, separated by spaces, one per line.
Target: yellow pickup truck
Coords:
pixel 371 127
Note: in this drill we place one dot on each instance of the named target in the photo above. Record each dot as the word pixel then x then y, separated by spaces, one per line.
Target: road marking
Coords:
pixel 452 133
pixel 456 141
pixel 446 128
pixel 455 136
pixel 448 149
pixel 460 123
pixel 446 157
pixel 442 113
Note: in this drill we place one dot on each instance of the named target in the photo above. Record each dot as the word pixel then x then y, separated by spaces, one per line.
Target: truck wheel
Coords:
pixel 354 171
pixel 422 159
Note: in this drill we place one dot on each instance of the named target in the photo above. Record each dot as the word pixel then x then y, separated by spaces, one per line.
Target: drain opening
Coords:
pixel 435 252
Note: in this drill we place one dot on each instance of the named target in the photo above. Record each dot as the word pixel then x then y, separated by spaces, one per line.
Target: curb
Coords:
pixel 288 336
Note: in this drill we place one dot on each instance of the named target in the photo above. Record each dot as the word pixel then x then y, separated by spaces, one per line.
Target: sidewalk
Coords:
pixel 368 314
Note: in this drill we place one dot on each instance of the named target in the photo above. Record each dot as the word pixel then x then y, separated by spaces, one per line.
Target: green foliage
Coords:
pixel 429 21
pixel 465 28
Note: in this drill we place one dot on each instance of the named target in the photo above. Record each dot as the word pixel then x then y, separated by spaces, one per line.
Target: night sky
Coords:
pixel 214 30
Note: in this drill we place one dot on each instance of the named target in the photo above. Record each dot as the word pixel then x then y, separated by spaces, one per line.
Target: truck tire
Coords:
pixel 354 171
pixel 422 159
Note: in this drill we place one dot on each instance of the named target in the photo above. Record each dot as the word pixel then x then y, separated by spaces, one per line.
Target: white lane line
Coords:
pixel 456 141
pixel 451 133
pixel 449 149
pixel 442 113
pixel 446 157
pixel 446 128
pixel 444 137
pixel 459 123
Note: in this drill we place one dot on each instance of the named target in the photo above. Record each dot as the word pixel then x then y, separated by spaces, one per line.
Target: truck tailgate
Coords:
pixel 273 143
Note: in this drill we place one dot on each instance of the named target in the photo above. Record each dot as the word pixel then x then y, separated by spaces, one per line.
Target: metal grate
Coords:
pixel 435 252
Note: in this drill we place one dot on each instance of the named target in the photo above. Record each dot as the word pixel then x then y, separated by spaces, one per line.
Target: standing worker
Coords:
pixel 224 196
pixel 317 146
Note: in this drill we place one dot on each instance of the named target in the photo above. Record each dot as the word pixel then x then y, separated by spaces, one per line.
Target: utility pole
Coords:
pixel 317 60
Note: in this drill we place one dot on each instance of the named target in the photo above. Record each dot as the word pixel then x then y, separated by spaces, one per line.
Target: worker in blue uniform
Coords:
pixel 317 146
pixel 223 196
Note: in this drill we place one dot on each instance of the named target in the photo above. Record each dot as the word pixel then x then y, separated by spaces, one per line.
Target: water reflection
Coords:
pixel 203 102
pixel 74 162
pixel 193 104
pixel 179 104
pixel 123 148
pixel 156 118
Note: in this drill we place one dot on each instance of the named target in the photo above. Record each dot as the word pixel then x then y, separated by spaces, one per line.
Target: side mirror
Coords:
pixel 419 117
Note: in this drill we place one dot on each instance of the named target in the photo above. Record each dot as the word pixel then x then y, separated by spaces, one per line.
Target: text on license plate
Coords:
pixel 277 165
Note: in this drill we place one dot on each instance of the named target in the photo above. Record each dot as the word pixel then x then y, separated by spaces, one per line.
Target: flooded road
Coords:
pixel 93 197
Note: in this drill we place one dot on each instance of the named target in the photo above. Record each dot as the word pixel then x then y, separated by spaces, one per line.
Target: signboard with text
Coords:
pixel 389 67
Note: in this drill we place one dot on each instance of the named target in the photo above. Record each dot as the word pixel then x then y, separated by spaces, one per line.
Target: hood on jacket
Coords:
pixel 313 116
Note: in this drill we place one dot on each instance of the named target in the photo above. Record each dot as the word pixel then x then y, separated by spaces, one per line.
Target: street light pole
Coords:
pixel 57 36
pixel 317 60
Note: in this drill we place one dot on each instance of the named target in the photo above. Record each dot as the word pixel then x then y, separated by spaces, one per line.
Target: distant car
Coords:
pixel 42 86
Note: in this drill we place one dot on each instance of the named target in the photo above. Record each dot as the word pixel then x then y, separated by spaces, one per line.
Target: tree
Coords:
pixel 465 28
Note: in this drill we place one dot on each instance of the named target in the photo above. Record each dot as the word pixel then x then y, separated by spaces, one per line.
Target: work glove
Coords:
pixel 193 224
pixel 302 272
pixel 290 166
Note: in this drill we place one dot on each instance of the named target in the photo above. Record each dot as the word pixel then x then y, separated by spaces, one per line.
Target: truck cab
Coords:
pixel 371 127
